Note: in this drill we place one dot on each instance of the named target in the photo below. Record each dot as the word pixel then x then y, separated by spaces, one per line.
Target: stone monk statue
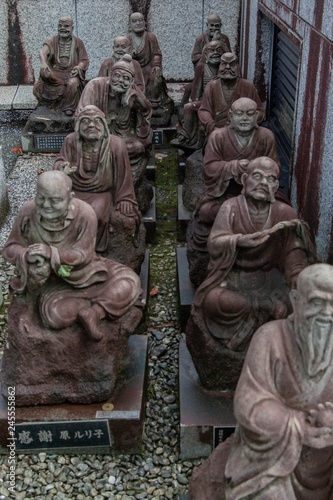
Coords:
pixel 99 167
pixel 53 242
pixel 146 50
pixel 221 92
pixel 64 62
pixel 212 33
pixel 257 248
pixel 205 71
pixel 121 46
pixel 283 444
pixel 228 151
pixel 69 323
pixel 127 110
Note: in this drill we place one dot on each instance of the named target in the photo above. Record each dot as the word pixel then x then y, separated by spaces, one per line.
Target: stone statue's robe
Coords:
pixel 148 55
pixel 223 148
pixel 103 189
pixel 214 109
pixel 107 66
pixel 244 285
pixel 60 84
pixel 222 173
pixel 89 279
pixel 128 116
pixel 202 40
pixel 204 72
pixel 267 459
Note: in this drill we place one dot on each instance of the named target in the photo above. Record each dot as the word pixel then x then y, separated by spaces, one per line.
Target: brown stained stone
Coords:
pixel 53 366
pixel 193 184
pixel 125 420
pixel 218 367
pixel 127 244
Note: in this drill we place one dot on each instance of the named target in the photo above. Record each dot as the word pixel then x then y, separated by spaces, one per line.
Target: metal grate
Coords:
pixel 283 89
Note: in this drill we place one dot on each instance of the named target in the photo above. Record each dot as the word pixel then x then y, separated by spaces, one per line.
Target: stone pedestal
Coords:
pixel 113 426
pixel 186 289
pixel 45 130
pixel 206 417
pixel 149 220
pixel 48 366
pixel 184 216
pixel 193 184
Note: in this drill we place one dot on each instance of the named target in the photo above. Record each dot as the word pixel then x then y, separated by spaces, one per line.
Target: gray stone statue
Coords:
pixel 257 248
pixel 213 32
pixel 99 167
pixel 64 62
pixel 122 46
pixel 146 50
pixel 128 114
pixel 74 311
pixel 283 444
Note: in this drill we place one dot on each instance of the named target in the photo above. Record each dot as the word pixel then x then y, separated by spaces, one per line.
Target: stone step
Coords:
pixel 21 96
pixel 17 97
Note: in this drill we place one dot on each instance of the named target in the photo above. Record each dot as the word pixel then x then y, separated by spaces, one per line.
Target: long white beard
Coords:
pixel 316 344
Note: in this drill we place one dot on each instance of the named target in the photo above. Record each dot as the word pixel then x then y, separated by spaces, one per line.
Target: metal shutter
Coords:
pixel 283 89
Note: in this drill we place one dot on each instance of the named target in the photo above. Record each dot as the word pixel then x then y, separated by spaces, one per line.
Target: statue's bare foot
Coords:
pixel 89 319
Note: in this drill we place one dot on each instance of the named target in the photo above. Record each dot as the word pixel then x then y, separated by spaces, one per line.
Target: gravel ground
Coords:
pixel 158 472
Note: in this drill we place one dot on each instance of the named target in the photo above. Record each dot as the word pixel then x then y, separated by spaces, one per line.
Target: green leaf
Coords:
pixel 65 270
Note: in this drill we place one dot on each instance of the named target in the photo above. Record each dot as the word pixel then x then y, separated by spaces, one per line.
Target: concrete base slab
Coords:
pixel 7 95
pixel 186 289
pixel 206 417
pixel 144 278
pixel 149 220
pixel 115 426
pixel 184 216
pixel 24 98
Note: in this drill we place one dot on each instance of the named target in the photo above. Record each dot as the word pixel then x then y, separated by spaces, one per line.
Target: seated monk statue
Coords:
pixel 100 171
pixel 228 151
pixel 222 91
pixel 127 111
pixel 257 248
pixel 205 70
pixel 121 46
pixel 64 62
pixel 146 50
pixel 52 245
pixel 283 445
pixel 212 33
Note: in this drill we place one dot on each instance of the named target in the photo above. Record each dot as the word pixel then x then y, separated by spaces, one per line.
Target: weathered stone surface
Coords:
pixel 127 242
pixel 46 120
pixel 193 185
pixel 54 366
pixel 218 367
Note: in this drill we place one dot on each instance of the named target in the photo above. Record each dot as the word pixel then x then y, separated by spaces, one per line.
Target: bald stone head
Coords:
pixel 260 181
pixel 54 195
pixel 212 52
pixel 65 27
pixel 137 23
pixel 213 26
pixel 243 116
pixel 121 46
